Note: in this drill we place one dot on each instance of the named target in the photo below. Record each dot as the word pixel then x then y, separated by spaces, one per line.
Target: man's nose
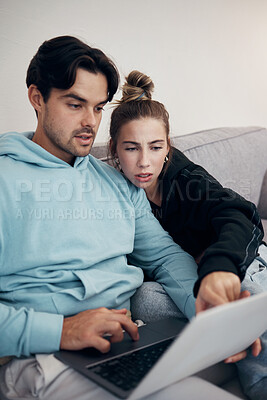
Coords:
pixel 89 119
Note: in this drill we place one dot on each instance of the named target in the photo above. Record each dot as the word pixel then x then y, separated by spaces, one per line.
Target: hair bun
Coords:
pixel 137 86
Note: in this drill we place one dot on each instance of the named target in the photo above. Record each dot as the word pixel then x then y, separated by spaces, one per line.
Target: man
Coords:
pixel 67 223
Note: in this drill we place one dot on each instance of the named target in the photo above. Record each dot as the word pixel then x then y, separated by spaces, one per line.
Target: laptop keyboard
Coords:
pixel 127 371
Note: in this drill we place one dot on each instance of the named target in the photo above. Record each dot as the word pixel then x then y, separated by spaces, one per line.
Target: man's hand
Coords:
pixel 219 288
pixel 87 329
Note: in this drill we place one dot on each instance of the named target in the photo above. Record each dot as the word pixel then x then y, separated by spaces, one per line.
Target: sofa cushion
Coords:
pixel 236 157
pixel 100 151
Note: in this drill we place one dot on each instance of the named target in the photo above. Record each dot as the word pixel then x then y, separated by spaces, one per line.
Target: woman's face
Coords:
pixel 141 148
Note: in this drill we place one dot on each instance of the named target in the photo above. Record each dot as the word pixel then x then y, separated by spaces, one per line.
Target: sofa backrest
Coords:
pixel 236 157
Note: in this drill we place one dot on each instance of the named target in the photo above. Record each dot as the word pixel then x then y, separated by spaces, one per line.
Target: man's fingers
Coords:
pixel 130 328
pixel 83 329
pixel 114 330
pixel 117 322
pixel 99 343
pixel 120 311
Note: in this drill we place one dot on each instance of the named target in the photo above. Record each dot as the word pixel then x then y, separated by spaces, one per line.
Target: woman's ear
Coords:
pixel 35 97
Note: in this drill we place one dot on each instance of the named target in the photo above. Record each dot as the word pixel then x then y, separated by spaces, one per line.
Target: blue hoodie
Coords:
pixel 65 232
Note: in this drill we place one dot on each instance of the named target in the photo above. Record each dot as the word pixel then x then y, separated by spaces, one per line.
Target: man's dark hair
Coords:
pixel 56 62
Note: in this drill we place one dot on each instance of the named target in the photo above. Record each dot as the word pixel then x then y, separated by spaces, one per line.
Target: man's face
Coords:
pixel 69 120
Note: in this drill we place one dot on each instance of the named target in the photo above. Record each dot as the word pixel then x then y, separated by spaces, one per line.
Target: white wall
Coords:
pixel 208 58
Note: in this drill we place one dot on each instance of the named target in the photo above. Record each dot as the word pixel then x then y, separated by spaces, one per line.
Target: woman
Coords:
pixel 210 222
pixel 219 228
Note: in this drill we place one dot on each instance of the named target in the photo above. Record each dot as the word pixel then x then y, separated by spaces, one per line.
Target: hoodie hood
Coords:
pixel 20 147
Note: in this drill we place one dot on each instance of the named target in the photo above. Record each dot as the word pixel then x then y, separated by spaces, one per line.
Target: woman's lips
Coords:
pixel 143 177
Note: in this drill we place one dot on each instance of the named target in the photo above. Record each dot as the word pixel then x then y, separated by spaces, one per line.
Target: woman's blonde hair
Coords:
pixel 136 103
pixel 137 86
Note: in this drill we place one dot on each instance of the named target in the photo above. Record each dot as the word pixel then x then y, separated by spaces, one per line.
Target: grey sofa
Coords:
pixel 236 157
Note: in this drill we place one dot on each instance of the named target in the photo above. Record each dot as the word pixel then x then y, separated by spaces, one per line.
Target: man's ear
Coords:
pixel 35 97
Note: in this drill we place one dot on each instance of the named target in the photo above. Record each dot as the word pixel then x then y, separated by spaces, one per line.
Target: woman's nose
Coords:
pixel 143 160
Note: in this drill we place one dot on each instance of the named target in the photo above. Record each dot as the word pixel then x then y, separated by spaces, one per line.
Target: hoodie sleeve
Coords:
pixel 24 332
pixel 230 223
pixel 162 259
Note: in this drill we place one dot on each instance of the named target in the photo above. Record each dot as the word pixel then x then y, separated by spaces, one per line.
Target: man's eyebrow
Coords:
pixel 103 102
pixel 81 99
pixel 73 96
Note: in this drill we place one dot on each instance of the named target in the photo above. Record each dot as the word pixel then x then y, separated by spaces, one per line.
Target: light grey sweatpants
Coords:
pixel 45 378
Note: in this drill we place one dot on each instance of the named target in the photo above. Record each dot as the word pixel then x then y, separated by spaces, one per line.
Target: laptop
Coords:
pixel 170 350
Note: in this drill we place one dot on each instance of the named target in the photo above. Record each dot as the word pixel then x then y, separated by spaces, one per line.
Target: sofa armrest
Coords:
pixel 262 205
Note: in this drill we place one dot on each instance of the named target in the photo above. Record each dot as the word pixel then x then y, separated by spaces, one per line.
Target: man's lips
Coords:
pixel 84 139
pixel 143 177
